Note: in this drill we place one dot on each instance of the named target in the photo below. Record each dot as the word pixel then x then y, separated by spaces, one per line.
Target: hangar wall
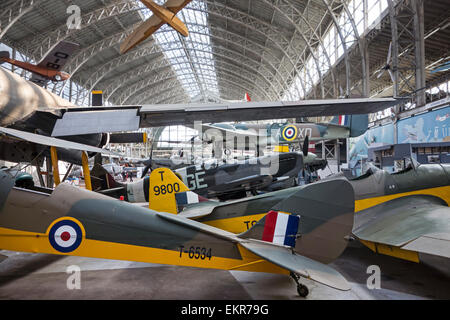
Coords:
pixel 432 126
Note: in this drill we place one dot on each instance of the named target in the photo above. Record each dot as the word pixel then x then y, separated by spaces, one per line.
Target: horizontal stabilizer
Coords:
pixel 50 141
pixel 87 122
pixel 298 264
pixel 128 137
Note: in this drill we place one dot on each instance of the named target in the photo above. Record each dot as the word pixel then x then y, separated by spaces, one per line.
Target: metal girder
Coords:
pixel 42 45
pixel 166 87
pixel 408 48
pixel 274 34
pixel 136 73
pixel 104 69
pixel 14 12
pixel 87 53
pixel 75 64
pixel 240 56
pixel 237 69
pixel 335 9
pixel 139 71
pixel 157 90
pixel 311 39
pixel 45 43
pixel 140 85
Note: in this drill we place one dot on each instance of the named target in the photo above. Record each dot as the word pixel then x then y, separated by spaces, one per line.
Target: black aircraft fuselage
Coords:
pixel 216 180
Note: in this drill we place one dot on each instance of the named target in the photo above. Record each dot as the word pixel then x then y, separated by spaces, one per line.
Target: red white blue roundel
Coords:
pixel 289 133
pixel 65 236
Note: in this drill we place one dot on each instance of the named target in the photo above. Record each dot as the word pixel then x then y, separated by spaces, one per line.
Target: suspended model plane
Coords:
pixel 49 68
pixel 161 15
pixel 294 237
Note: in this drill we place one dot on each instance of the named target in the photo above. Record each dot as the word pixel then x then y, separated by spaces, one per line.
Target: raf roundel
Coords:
pixel 65 236
pixel 289 133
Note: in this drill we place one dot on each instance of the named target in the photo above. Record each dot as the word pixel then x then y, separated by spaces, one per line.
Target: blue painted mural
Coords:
pixel 432 126
pixel 378 136
pixel 428 127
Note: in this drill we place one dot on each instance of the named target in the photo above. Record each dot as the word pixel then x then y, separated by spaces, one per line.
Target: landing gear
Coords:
pixel 302 290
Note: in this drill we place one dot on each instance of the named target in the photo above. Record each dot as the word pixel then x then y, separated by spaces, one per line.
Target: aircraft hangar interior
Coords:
pixel 257 149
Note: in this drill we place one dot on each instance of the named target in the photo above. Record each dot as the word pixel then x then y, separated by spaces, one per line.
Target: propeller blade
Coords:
pixel 380 73
pixel 389 53
pixel 305 146
pixel 391 74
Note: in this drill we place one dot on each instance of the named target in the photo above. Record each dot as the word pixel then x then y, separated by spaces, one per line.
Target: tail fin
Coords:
pixel 321 218
pixel 276 227
pixel 4 55
pixel 358 123
pixel 164 185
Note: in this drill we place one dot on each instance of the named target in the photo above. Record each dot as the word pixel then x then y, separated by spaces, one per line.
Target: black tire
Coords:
pixel 302 291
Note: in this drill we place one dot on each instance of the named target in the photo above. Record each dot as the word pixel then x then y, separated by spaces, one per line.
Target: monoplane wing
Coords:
pixel 56 59
pixel 132 118
pixel 416 223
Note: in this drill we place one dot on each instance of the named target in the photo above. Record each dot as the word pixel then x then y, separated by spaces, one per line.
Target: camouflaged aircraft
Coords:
pixel 298 234
pixel 219 179
pixel 403 214
pixel 250 135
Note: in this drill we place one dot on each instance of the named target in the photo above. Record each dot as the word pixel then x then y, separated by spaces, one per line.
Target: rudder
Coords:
pixel 164 185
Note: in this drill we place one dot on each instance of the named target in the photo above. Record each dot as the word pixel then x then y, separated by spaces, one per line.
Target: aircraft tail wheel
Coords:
pixel 302 290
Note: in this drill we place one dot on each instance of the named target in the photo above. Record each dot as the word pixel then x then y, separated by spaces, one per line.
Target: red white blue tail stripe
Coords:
pixel 281 228
pixel 188 197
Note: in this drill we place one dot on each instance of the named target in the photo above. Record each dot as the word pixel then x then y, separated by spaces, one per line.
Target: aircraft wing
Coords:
pixel 304 266
pixel 56 59
pixel 50 141
pixel 142 32
pixel 226 133
pixel 189 114
pixel 415 223
pixel 281 256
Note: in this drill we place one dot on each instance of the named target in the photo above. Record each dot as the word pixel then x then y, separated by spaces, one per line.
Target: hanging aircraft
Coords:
pixel 161 15
pixel 233 135
pixel 294 237
pixel 49 68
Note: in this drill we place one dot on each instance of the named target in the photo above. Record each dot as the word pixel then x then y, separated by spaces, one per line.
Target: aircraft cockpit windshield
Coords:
pixel 408 165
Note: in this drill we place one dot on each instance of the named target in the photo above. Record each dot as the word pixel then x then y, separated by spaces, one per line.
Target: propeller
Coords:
pixel 305 146
pixel 149 165
pixel 388 66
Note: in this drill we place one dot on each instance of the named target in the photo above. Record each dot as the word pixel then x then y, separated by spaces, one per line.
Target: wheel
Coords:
pixel 302 290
